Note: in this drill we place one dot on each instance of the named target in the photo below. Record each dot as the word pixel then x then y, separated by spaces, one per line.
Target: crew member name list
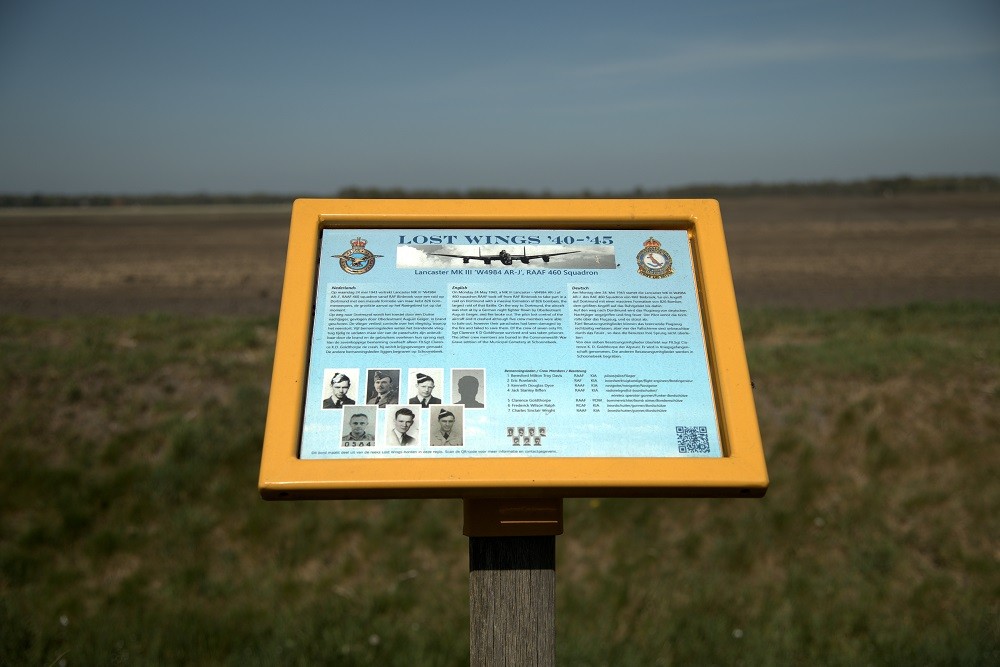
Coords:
pixel 530 390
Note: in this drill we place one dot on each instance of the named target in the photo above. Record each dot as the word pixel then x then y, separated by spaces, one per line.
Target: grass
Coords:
pixel 131 531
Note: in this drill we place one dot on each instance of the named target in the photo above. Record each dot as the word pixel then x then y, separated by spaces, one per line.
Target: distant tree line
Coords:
pixel 97 200
pixel 872 187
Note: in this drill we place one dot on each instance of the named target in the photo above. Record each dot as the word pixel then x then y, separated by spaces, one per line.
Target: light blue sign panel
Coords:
pixel 449 343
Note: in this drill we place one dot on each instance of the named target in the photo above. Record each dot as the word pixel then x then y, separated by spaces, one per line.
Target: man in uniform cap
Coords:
pixel 384 394
pixel 425 385
pixel 444 435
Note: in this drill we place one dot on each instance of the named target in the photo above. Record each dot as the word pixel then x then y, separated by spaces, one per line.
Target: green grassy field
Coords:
pixel 131 531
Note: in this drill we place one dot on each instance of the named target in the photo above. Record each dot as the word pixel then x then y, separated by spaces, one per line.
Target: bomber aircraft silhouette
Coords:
pixel 505 257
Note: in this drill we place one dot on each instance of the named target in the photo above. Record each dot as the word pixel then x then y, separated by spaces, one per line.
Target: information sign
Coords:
pixel 486 348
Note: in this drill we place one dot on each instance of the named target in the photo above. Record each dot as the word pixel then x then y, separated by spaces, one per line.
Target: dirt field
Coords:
pixel 804 252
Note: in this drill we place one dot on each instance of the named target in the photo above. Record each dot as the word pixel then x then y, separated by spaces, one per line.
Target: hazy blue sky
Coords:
pixel 134 96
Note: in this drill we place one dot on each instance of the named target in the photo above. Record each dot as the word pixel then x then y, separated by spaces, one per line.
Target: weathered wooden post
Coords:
pixel 512 580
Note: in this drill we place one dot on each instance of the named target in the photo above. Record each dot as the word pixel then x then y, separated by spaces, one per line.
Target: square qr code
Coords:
pixel 692 440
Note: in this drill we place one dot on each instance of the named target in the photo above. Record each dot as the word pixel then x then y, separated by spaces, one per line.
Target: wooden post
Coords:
pixel 512 580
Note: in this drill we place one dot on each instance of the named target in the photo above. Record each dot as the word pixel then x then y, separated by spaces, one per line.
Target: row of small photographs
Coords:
pixel 526 435
pixel 440 426
pixel 425 387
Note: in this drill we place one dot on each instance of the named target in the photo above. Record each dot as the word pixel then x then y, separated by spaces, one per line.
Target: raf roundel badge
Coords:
pixel 654 261
pixel 358 259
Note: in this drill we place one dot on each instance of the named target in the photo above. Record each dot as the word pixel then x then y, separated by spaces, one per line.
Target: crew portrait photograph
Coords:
pixel 383 387
pixel 446 425
pixel 423 382
pixel 468 387
pixel 403 429
pixel 341 384
pixel 359 426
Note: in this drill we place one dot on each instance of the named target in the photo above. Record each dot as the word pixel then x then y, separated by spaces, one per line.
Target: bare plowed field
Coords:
pixel 811 252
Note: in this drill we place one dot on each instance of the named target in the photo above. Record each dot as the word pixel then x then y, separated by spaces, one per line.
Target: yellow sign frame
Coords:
pixel 740 471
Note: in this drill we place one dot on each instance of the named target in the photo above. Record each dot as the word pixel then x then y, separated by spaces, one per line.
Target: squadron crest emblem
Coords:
pixel 654 261
pixel 358 259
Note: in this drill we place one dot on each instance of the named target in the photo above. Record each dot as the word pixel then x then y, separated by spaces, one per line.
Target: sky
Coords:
pixel 137 97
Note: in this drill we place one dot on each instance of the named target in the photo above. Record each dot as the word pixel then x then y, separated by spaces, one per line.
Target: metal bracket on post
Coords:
pixel 512 517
